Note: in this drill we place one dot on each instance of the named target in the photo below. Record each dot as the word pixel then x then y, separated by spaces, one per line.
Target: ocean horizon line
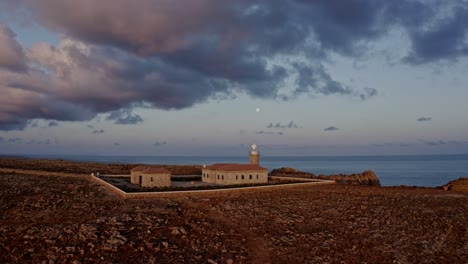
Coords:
pixel 226 156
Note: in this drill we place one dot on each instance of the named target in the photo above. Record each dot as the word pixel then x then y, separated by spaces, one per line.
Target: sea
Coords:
pixel 409 170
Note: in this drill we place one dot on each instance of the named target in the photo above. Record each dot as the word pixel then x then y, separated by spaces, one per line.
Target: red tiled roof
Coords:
pixel 217 166
pixel 148 169
pixel 235 167
pixel 140 168
pixel 155 170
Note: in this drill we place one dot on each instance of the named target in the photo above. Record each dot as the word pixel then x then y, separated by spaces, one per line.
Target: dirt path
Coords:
pixel 257 246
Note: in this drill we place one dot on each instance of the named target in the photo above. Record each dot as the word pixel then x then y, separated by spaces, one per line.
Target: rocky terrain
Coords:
pixel 368 178
pixel 459 185
pixel 71 220
pixel 67 219
pixel 87 167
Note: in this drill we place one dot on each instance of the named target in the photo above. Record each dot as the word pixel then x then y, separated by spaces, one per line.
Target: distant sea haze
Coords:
pixel 414 170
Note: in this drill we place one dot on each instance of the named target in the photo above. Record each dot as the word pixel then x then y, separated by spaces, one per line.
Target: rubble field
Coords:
pixel 59 219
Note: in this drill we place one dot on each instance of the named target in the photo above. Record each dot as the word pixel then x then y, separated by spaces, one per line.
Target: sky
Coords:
pixel 209 77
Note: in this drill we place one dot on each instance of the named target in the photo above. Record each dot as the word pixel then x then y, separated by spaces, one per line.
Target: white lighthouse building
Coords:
pixel 235 173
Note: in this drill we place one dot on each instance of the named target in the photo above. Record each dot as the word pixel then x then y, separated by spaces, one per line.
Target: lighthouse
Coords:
pixel 254 155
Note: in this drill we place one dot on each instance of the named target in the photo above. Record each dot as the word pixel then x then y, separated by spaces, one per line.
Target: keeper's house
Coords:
pixel 234 173
pixel 147 176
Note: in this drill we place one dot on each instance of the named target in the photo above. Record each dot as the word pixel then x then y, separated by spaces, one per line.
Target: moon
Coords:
pixel 257 109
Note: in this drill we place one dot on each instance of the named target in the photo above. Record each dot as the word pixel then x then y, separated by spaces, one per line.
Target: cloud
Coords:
pixel 387 144
pixel 34 123
pixel 424 119
pixel 368 93
pixel 98 131
pixel 11 53
pixel 15 140
pixel 433 143
pixel 445 40
pixel 90 126
pixel 116 144
pixel 440 142
pixel 124 117
pixel 291 124
pixel 261 132
pixel 159 143
pixel 53 124
pixel 1 139
pixel 331 128
pixel 115 55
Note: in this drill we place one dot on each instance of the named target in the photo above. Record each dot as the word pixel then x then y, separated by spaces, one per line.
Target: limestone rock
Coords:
pixel 367 178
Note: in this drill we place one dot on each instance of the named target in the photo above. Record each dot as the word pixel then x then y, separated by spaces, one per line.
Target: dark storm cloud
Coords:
pixel 331 128
pixel 424 119
pixel 118 54
pixel 445 40
pixel 124 117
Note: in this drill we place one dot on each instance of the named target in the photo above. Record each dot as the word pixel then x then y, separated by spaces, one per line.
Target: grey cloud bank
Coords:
pixel 424 119
pixel 331 128
pixel 118 54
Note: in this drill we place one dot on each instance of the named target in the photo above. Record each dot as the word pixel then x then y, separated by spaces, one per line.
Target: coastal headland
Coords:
pixel 52 214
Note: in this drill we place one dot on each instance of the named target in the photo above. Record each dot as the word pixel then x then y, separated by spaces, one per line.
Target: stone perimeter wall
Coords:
pixel 125 195
pixel 122 194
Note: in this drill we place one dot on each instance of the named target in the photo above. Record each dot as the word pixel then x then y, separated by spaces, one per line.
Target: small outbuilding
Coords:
pixel 147 176
pixel 136 172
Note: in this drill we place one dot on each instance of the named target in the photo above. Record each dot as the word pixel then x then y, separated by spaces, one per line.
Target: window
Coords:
pixel 257 176
pixel 237 177
pixel 222 177
pixel 151 179
pixel 250 177
pixel 218 177
pixel 242 177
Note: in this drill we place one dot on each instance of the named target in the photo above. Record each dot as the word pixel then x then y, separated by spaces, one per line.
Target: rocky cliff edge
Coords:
pixel 367 178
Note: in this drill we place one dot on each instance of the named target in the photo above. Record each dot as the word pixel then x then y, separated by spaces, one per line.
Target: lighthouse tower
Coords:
pixel 254 155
